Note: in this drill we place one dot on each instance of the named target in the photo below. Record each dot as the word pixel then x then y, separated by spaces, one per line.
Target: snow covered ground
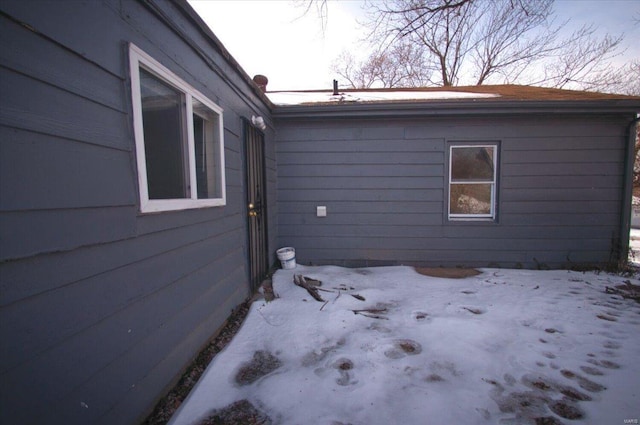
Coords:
pixel 502 347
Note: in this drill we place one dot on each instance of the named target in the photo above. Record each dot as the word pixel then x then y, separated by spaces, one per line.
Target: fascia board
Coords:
pixel 471 108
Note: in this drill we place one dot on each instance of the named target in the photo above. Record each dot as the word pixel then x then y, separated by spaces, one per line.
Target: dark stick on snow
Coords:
pixel 373 313
pixel 300 281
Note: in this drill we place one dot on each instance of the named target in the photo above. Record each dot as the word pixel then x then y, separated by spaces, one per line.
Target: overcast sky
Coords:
pixel 277 39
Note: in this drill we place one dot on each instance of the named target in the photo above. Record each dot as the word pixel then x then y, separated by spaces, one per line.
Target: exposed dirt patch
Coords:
pixel 448 273
pixel 344 364
pixel 239 413
pixel 434 377
pixel 166 407
pixel 409 348
pixel 263 363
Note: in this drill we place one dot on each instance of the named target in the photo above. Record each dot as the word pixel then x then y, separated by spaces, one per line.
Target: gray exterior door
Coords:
pixel 256 204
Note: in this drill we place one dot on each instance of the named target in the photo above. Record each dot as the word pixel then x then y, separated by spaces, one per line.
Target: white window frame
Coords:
pixel 474 217
pixel 138 59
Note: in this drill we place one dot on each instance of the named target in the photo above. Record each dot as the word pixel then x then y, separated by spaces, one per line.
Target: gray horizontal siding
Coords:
pixel 119 350
pixel 338 194
pixel 559 191
pixel 408 231
pixel 105 306
pixel 41 172
pixel 40 107
pixel 496 257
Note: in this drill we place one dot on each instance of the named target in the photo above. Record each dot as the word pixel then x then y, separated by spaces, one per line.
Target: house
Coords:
pixel 506 176
pixel 124 242
pixel 139 202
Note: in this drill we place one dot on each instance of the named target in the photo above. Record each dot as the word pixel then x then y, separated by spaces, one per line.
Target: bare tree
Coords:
pixel 321 7
pixel 488 41
pixel 402 65
pixel 582 61
pixel 632 75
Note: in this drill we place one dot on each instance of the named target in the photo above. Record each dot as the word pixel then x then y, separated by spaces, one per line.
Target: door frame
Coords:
pixel 257 256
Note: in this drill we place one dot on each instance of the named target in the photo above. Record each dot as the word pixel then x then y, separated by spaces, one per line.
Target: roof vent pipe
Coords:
pixel 261 81
pixel 335 87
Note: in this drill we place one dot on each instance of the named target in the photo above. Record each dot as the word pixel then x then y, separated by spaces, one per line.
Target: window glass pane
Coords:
pixel 472 163
pixel 207 151
pixel 470 199
pixel 163 138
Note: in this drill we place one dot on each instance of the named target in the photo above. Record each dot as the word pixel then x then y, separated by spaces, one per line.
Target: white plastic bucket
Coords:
pixel 287 257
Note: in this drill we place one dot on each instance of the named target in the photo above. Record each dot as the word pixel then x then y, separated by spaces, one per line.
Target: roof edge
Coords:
pixel 473 107
pixel 202 26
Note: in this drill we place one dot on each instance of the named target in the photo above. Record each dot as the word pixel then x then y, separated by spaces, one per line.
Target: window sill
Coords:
pixel 471 220
pixel 155 206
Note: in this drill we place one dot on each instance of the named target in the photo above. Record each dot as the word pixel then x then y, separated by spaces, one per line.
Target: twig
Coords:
pixel 299 280
pixel 323 290
pixel 373 316
pixel 370 310
pixel 372 313
pixel 325 303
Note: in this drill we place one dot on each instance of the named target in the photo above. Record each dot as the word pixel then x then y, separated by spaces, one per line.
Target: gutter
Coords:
pixel 466 108
pixel 627 190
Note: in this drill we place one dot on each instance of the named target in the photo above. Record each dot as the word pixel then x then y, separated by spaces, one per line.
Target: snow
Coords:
pixel 502 347
pixel 297 98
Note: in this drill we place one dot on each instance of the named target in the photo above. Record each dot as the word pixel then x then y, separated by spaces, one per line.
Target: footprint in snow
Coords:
pixel 262 364
pixel 606 317
pixel 584 383
pixel 604 363
pixel 591 370
pixel 531 406
pixel 344 367
pixel 376 326
pixel 402 348
pixel 612 345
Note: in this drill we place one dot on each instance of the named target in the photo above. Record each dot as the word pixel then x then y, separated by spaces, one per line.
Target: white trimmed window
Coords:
pixel 472 181
pixel 179 139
